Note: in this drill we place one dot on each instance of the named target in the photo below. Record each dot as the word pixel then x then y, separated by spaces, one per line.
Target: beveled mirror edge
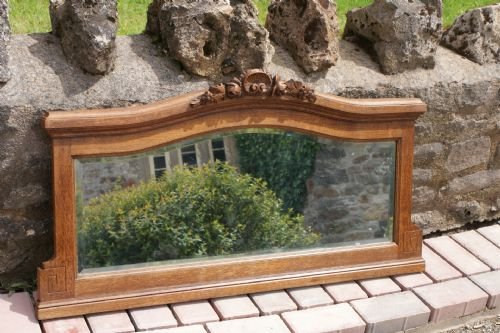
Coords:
pixel 72 132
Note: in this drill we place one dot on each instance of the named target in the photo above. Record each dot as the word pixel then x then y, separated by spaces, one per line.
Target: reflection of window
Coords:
pixel 218 150
pixel 192 155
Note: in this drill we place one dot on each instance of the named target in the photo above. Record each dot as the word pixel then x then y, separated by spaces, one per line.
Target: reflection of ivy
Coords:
pixel 285 161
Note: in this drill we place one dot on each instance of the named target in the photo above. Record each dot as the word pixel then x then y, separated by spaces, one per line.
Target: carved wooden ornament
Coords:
pixel 256 82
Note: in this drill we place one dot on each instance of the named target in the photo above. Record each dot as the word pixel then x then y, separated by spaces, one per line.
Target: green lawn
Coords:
pixel 28 16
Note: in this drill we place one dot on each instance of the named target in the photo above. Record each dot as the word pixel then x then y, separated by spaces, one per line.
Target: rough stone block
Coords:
pixel 379 286
pixel 489 282
pixel 492 233
pixel 345 291
pixel 403 34
pixel 410 281
pixel 235 307
pixel 437 268
pixel 266 324
pixel 88 31
pixel 310 297
pixel 307 29
pixel 153 318
pixel 273 302
pixel 475 182
pixel 428 151
pixel 452 299
pixel 17 314
pixel 333 318
pixel 476 35
pixel 482 248
pixel 198 312
pixel 66 325
pixel 401 311
pixel 456 255
pixel 4 40
pixel 212 37
pixel 467 154
pixel 111 322
pixel 422 176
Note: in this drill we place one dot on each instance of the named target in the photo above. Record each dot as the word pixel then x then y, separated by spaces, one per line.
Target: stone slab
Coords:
pixel 482 248
pixel 198 312
pixel 310 297
pixel 266 324
pixel 273 302
pixel 401 311
pixel 410 281
pixel 489 282
pixel 110 322
pixel 332 318
pixel 66 325
pixel 345 291
pixel 17 314
pixel 452 299
pixel 492 233
pixel 456 255
pixel 153 318
pixel 379 286
pixel 437 268
pixel 183 329
pixel 235 307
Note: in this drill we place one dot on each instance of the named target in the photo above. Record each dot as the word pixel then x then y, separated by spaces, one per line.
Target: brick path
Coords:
pixel 462 277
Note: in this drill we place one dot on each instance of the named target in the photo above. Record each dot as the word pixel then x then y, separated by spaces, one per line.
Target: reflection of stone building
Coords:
pixel 102 175
pixel 349 193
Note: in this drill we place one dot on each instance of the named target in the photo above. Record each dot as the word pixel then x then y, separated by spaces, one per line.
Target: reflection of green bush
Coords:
pixel 212 210
pixel 285 161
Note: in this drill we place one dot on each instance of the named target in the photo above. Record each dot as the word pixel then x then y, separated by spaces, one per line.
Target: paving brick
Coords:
pixel 410 281
pixel 183 329
pixel 111 322
pixel 235 307
pixel 456 255
pixel 393 312
pixel 332 318
pixel 310 297
pixel 345 291
pixel 492 233
pixel 17 314
pixel 482 248
pixel 379 286
pixel 489 282
pixel 153 317
pixel 452 299
pixel 273 302
pixel 191 313
pixel 437 268
pixel 66 325
pixel 266 324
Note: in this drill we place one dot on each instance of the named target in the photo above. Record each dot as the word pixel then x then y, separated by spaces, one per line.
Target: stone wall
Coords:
pixel 457 150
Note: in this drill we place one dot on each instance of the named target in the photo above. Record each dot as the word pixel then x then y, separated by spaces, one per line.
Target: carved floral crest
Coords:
pixel 255 82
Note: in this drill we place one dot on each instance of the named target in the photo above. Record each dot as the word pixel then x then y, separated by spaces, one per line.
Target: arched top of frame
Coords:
pixel 255 90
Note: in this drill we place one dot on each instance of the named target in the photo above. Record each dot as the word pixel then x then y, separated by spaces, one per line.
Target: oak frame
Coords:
pixel 90 133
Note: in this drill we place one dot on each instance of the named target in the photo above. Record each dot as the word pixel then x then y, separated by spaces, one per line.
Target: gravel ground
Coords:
pixel 491 325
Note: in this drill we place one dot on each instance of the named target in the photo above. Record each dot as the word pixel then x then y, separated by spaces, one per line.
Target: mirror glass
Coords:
pixel 248 192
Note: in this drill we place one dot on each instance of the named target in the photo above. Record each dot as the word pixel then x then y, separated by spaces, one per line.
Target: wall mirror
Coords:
pixel 256 184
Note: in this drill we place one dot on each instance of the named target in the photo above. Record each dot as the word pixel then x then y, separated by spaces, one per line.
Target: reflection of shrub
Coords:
pixel 212 210
pixel 285 161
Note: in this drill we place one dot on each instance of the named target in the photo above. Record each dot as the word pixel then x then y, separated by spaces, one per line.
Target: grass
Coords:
pixel 28 16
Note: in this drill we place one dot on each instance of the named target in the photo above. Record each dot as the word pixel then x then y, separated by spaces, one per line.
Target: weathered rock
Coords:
pixel 476 35
pixel 428 151
pixel 475 182
pixel 430 221
pixel 307 29
pixel 211 37
pixel 423 195
pixel 88 31
pixel 4 40
pixel 422 176
pixel 467 154
pixel 469 210
pixel 404 34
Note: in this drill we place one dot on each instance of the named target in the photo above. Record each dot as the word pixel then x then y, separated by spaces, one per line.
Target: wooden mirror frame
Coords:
pixel 255 100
